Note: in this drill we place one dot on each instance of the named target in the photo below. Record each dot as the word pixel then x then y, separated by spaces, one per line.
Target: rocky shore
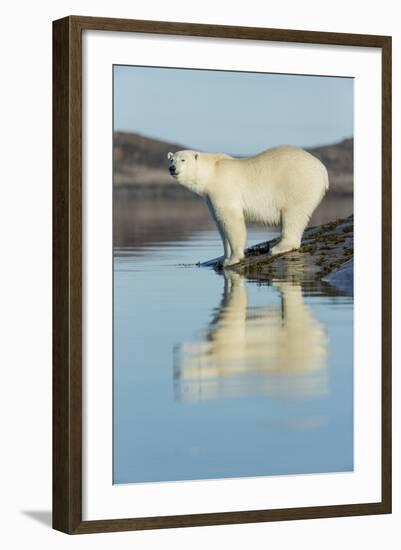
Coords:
pixel 325 257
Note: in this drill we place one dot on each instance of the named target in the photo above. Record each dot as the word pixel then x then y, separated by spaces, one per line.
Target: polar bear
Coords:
pixel 283 184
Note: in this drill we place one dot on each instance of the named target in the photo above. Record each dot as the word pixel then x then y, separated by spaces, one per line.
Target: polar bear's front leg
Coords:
pixel 224 239
pixel 223 235
pixel 232 222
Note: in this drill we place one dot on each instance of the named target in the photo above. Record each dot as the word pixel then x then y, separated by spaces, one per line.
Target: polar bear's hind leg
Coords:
pixel 293 226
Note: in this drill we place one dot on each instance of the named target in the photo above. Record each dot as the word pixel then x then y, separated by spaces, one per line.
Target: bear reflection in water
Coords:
pixel 279 351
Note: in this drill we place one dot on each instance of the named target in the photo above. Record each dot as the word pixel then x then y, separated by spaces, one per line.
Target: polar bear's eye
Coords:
pixel 182 160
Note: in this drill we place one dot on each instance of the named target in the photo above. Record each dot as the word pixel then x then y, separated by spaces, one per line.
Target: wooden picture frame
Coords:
pixel 67 273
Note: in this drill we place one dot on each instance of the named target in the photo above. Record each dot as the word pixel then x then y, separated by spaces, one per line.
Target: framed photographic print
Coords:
pixel 222 274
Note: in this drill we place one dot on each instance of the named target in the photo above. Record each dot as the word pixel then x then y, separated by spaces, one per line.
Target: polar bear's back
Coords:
pixel 282 166
pixel 271 181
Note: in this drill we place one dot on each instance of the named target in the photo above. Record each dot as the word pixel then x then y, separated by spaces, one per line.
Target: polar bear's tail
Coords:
pixel 327 180
pixel 324 185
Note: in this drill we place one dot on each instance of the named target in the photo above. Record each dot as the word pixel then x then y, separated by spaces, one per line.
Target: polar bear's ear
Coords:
pixel 169 156
pixel 196 156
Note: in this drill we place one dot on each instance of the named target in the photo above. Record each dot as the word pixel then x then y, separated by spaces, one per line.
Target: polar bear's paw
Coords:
pixel 232 261
pixel 283 247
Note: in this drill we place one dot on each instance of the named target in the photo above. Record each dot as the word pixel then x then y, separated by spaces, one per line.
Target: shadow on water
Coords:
pixel 279 351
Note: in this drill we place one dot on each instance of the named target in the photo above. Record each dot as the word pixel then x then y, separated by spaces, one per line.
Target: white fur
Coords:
pixel 283 184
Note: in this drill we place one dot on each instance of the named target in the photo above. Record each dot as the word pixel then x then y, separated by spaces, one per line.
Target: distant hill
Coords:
pixel 141 162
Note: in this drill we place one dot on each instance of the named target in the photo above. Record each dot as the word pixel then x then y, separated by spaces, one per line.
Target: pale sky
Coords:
pixel 233 112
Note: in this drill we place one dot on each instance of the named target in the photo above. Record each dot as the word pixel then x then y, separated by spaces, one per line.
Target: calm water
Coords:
pixel 218 376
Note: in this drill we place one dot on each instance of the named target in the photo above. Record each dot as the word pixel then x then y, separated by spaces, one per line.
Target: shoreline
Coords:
pixel 325 257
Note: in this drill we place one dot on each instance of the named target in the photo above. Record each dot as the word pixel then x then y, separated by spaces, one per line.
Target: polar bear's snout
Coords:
pixel 172 167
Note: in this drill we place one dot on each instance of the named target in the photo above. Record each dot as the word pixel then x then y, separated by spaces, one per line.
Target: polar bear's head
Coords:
pixel 185 167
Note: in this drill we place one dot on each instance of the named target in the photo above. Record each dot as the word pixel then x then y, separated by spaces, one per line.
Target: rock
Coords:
pixel 342 278
pixel 325 250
